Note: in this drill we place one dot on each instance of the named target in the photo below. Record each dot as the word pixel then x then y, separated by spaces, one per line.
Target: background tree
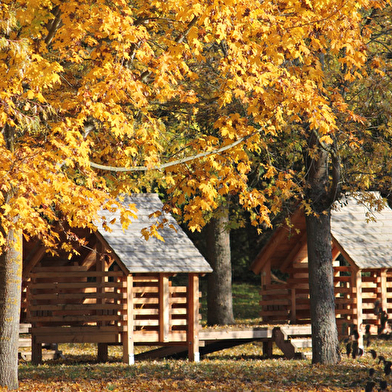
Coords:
pixel 219 292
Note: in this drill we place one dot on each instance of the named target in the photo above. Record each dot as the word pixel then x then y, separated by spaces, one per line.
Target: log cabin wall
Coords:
pixel 70 304
pixel 290 301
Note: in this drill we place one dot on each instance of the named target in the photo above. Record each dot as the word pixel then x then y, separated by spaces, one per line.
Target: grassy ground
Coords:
pixel 239 369
pixel 246 307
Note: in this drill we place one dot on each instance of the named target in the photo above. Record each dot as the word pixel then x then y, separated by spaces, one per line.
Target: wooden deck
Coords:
pixel 290 339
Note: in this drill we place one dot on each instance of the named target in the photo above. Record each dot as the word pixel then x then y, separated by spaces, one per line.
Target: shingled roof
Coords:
pixel 364 234
pixel 177 254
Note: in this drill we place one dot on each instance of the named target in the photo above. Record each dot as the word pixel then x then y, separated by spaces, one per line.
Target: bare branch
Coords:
pixel 169 164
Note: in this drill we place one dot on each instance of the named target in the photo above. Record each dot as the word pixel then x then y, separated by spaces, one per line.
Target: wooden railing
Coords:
pixel 160 310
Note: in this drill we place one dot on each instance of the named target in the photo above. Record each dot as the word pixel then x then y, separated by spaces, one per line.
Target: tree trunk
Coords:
pixel 219 294
pixel 325 344
pixel 321 193
pixel 11 265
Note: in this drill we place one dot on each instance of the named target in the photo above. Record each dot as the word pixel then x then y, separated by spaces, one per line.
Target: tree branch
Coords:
pixel 168 164
pixel 144 76
pixel 52 28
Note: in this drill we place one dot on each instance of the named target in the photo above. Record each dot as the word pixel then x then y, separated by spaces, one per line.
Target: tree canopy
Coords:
pixel 90 86
pixel 87 82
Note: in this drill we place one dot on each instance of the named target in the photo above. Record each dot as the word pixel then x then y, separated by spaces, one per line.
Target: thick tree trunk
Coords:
pixel 219 293
pixel 325 343
pixel 321 193
pixel 11 265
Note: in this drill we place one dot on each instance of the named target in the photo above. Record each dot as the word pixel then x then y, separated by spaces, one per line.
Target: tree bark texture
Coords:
pixel 11 265
pixel 321 193
pixel 219 291
pixel 325 344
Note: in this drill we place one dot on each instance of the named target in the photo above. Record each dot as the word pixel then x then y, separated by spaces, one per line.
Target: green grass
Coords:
pixel 246 306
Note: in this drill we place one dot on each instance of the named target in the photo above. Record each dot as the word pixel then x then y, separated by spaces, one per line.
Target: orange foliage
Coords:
pixel 81 81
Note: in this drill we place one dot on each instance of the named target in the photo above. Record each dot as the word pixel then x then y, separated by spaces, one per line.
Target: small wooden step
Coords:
pixel 299 343
pixel 24 342
pixel 291 338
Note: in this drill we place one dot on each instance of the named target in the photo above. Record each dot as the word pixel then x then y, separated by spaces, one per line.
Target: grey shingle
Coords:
pixel 175 255
pixel 367 242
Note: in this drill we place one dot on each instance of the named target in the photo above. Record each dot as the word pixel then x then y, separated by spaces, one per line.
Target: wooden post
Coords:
pixel 193 318
pixel 164 308
pixel 100 267
pixel 293 316
pixel 36 351
pixel 127 336
pixel 383 288
pixel 358 285
pixel 268 348
pixel 266 274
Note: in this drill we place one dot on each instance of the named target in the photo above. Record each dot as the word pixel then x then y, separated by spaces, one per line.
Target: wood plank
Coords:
pixel 245 333
pixel 283 313
pixel 301 343
pixel 178 289
pixel 276 286
pixel 178 322
pixel 164 307
pixel 81 296
pixel 82 307
pixel 273 293
pixel 342 269
pixel 271 302
pixel 178 311
pixel 24 342
pixel 145 300
pixel 74 330
pixel 145 289
pixel 101 337
pixel 284 344
pixel 73 285
pixel 76 274
pixel 146 323
pixel 24 328
pixel 193 318
pixel 70 268
pixel 145 279
pixel 178 300
pixel 74 319
pixel 128 336
pixel 144 312
pixel 296 330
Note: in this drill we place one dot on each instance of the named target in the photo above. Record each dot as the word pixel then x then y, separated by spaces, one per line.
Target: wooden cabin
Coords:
pixel 362 264
pixel 118 289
